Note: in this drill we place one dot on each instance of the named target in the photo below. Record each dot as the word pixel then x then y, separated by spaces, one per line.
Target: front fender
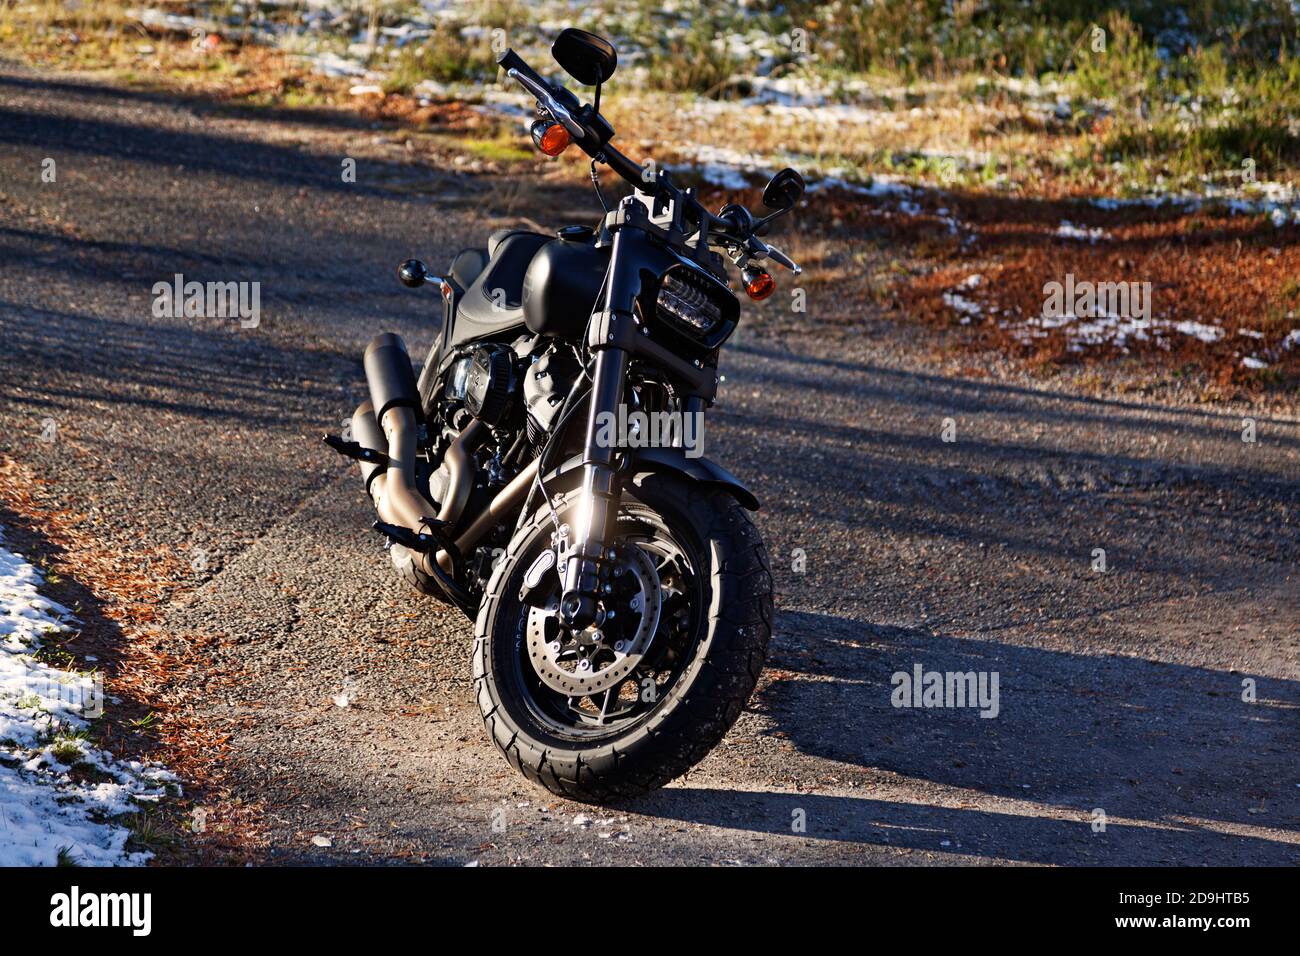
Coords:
pixel 703 470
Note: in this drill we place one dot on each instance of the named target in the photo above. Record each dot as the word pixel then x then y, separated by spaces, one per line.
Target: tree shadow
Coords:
pixel 1171 753
pixel 980 395
pixel 50 134
pixel 225 374
pixel 992 835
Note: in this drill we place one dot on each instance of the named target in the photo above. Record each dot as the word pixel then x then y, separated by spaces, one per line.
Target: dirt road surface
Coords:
pixel 1120 692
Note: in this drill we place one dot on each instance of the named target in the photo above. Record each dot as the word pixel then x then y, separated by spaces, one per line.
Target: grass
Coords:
pixel 937 82
pixel 67 746
pixel 65 857
pixel 691 61
pixel 145 722
pixel 504 148
pixel 445 58
pixel 154 831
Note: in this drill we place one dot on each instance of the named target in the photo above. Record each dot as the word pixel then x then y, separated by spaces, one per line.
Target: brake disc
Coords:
pixel 591 661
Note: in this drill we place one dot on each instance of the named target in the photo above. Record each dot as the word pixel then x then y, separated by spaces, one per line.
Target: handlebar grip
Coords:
pixel 510 60
pixel 625 167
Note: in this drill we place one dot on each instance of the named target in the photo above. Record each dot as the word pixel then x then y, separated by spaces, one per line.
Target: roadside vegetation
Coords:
pixel 1000 139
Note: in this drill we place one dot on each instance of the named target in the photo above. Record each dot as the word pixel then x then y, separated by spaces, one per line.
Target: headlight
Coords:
pixel 688 304
pixel 696 306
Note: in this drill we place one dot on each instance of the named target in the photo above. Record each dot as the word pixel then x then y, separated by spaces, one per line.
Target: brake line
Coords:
pixel 595 182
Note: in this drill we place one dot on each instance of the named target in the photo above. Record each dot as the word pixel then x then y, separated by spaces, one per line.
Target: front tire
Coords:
pixel 698 671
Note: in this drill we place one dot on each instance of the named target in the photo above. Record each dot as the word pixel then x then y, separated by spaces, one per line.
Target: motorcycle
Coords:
pixel 621 593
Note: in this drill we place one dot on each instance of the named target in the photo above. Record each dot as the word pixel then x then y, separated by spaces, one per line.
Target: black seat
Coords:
pixel 467 266
pixel 470 263
pixel 493 301
pixel 499 236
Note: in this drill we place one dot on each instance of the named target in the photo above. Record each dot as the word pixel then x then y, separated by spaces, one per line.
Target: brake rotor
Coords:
pixel 591 661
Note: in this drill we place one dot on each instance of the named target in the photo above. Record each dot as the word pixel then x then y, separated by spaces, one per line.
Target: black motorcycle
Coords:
pixel 621 593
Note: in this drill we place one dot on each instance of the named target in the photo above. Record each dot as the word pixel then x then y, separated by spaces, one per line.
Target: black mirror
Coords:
pixel 587 58
pixel 412 273
pixel 783 190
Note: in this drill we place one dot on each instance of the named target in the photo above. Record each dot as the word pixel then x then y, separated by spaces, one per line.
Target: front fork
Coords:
pixel 615 336
pixel 598 504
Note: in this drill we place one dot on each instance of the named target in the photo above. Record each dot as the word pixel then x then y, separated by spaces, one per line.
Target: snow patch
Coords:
pixel 1199 330
pixel 44 809
pixel 1068 230
pixel 967 308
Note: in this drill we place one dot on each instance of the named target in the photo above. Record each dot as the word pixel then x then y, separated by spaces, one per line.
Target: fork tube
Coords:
pixel 599 498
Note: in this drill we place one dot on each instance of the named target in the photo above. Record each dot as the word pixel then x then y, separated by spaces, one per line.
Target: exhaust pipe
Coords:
pixel 395 410
pixel 389 423
pixel 508 499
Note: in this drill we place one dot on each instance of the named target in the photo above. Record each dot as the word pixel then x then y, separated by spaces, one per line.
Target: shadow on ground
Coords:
pixel 1070 734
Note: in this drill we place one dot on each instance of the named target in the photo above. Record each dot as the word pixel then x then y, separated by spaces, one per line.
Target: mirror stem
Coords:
pixel 760 227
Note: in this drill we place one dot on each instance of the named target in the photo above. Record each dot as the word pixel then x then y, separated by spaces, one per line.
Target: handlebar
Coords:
pixel 571 116
pixel 625 166
pixel 529 78
pixel 592 133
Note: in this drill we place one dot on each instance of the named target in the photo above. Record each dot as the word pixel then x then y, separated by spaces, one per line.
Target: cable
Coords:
pixel 572 402
pixel 595 181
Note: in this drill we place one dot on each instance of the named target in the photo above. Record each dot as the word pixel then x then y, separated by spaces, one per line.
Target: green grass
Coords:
pixel 145 722
pixel 926 38
pixel 1176 90
pixel 445 58
pixel 691 62
pixel 152 830
pixel 67 748
pixel 502 150
pixel 65 857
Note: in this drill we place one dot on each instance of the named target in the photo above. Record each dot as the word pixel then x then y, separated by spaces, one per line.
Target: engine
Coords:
pixel 490 383
pixel 546 383
pixel 516 391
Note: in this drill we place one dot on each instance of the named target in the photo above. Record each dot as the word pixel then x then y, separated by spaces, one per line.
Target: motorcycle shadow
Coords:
pixel 1172 755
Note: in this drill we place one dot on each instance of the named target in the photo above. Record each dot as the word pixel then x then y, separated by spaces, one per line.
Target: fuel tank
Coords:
pixel 562 288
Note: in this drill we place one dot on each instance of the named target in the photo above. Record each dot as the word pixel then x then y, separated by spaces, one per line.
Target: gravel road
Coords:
pixel 1119 691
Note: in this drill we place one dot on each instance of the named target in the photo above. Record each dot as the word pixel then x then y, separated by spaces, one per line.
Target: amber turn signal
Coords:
pixel 551 138
pixel 758 284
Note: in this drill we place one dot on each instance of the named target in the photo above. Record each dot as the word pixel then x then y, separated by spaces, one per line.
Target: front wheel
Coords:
pixel 637 699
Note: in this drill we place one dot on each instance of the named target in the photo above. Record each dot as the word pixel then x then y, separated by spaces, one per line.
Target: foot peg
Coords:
pixel 355 450
pixel 412 540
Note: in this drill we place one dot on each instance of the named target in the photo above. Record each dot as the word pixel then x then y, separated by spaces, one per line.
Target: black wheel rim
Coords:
pixel 613 712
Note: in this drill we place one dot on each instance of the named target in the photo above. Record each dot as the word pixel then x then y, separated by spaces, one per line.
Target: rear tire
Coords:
pixel 717 648
pixel 409 570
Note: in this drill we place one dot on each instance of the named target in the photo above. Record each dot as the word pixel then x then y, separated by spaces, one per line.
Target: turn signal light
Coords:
pixel 551 138
pixel 758 284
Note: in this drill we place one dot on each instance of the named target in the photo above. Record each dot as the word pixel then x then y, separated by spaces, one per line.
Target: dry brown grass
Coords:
pixel 117 593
